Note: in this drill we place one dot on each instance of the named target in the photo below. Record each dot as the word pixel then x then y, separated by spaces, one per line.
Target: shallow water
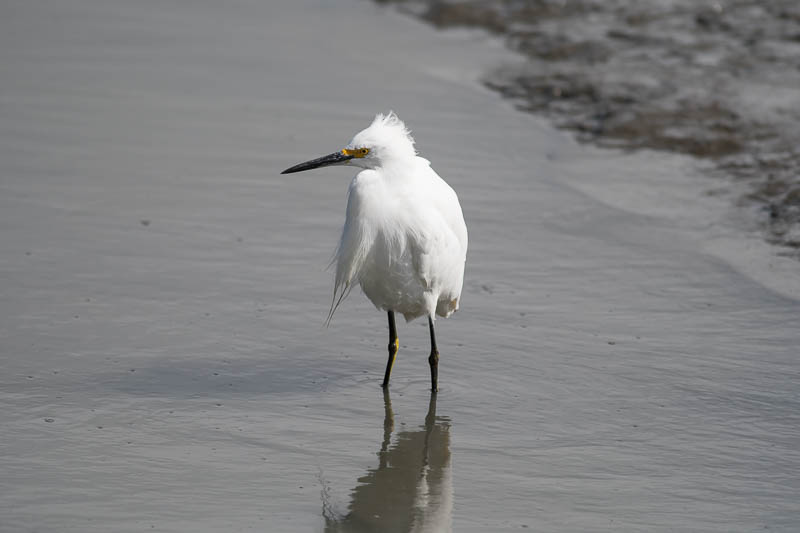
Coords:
pixel 164 365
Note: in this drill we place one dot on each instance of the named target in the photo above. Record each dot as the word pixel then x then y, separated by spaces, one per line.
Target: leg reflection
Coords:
pixel 411 488
pixel 388 428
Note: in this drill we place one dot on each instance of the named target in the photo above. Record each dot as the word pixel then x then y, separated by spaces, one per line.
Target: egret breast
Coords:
pixel 404 242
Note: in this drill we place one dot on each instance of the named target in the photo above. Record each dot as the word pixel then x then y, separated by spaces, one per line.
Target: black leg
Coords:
pixel 393 345
pixel 433 360
pixel 430 418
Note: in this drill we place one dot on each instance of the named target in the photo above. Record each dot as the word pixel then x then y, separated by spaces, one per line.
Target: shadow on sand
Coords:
pixel 410 490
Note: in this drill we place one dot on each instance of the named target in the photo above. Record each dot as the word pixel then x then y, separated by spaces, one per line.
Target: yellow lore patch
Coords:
pixel 357 152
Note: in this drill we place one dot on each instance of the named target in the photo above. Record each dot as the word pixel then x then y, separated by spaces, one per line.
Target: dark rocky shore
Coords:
pixel 719 80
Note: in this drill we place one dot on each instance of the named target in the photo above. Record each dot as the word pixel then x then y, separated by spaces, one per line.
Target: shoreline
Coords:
pixel 679 77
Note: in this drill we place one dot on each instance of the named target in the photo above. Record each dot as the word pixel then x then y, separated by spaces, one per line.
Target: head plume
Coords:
pixel 387 138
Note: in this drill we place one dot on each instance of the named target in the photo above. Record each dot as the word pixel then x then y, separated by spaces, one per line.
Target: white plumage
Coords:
pixel 404 239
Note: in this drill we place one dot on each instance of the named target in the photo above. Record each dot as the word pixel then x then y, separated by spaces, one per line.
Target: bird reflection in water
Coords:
pixel 411 490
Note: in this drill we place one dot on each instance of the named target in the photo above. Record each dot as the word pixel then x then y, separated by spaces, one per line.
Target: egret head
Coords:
pixel 386 139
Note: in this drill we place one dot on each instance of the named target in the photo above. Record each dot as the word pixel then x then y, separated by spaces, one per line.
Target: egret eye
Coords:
pixel 364 151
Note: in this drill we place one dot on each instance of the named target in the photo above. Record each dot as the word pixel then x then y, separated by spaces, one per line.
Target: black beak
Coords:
pixel 331 159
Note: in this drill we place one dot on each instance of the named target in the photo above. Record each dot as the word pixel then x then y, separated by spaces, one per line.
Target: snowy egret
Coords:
pixel 404 239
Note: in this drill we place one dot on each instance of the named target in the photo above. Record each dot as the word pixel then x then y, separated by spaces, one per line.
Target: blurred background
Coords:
pixel 719 80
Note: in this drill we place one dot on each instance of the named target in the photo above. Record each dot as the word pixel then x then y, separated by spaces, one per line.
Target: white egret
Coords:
pixel 404 239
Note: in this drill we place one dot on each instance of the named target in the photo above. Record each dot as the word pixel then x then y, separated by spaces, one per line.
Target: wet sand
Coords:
pixel 619 363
